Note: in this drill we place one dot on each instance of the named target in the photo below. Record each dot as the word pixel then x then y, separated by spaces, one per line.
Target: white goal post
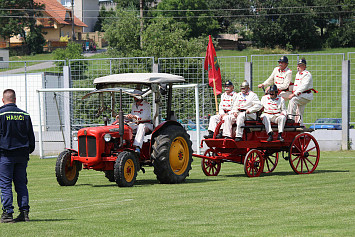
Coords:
pixel 66 132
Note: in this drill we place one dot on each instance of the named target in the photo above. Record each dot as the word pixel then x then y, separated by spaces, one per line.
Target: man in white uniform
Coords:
pixel 142 121
pixel 225 106
pixel 302 92
pixel 274 111
pixel 245 107
pixel 281 76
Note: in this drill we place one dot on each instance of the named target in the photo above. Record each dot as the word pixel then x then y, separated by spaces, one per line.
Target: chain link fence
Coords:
pixel 27 77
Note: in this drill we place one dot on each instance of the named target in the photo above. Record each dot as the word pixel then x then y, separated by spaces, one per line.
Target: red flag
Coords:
pixel 214 72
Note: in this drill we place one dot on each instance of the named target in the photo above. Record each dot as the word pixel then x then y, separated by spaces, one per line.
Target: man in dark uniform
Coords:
pixel 17 141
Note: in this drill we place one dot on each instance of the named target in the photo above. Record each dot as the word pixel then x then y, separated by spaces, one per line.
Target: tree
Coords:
pixel 276 24
pixel 194 15
pixel 122 32
pixel 228 19
pixel 20 19
pixel 103 14
pixel 161 37
pixel 134 3
pixel 336 21
pixel 166 38
pixel 72 51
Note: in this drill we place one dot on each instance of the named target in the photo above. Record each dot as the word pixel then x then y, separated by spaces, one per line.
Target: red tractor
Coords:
pixel 110 148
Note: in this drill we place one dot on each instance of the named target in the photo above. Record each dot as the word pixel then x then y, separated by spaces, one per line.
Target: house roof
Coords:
pixel 57 11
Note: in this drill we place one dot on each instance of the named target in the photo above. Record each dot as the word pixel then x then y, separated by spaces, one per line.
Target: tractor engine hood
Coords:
pixel 100 131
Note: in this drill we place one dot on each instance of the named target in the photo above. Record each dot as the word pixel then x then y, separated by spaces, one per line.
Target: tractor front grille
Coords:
pixel 87 146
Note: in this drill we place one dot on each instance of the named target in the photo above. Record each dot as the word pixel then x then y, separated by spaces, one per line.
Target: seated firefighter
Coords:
pixel 225 106
pixel 274 111
pixel 245 107
pixel 141 120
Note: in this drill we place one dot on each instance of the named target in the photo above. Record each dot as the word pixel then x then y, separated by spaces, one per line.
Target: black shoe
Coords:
pixel 279 137
pixel 7 218
pixel 210 135
pixel 219 136
pixel 228 138
pixel 23 216
pixel 270 138
pixel 238 139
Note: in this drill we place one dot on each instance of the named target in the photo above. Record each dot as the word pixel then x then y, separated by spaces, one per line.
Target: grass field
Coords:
pixel 277 204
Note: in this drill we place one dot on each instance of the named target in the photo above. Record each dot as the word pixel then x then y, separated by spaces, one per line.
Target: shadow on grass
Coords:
pixel 146 182
pixel 48 220
pixel 288 173
pixel 284 173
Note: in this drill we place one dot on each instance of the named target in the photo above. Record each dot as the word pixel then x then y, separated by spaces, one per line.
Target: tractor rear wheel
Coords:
pixel 67 174
pixel 172 155
pixel 125 169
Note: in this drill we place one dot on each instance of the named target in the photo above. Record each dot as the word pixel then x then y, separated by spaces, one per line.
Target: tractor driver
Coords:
pixel 281 76
pixel 141 120
pixel 274 111
pixel 225 106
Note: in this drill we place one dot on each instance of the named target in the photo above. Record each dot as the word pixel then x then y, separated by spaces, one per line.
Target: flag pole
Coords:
pixel 215 95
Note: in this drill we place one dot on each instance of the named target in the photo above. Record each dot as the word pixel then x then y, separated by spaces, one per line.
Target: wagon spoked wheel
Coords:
pixel 270 162
pixel 304 154
pixel 253 163
pixel 210 167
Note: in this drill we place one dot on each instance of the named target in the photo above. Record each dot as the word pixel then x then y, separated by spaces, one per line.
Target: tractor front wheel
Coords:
pixel 67 173
pixel 172 155
pixel 125 169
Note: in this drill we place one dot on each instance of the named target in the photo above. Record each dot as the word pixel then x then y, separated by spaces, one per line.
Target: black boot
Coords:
pixel 279 137
pixel 270 138
pixel 7 217
pixel 210 135
pixel 23 216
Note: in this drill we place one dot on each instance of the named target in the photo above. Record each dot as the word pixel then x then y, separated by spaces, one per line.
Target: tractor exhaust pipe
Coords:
pixel 121 121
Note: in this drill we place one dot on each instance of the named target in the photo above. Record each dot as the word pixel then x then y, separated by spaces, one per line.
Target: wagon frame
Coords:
pixel 258 155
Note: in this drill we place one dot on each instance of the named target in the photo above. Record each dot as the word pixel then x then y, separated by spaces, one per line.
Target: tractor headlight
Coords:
pixel 75 136
pixel 107 137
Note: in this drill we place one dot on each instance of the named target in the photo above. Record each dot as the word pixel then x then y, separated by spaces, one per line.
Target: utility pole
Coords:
pixel 72 20
pixel 141 21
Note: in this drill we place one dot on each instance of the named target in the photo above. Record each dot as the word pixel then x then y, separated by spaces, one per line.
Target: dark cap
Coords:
pixel 228 83
pixel 273 88
pixel 302 61
pixel 283 59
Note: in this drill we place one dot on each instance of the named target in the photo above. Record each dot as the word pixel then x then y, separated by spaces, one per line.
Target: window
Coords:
pixel 66 3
